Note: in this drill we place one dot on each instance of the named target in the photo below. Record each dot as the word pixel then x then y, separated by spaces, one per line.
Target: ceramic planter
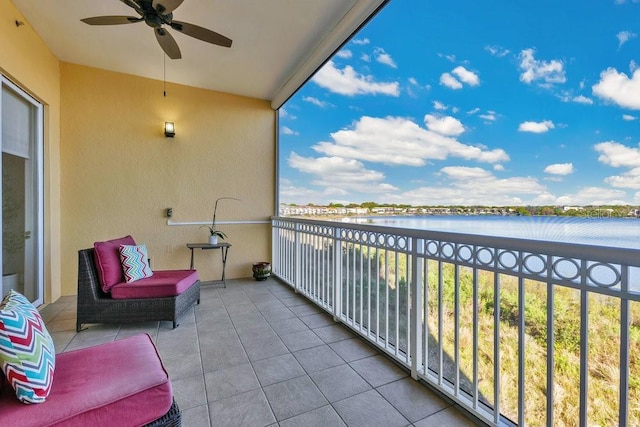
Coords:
pixel 261 270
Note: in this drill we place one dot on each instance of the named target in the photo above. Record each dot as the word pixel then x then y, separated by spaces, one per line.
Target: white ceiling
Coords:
pixel 277 44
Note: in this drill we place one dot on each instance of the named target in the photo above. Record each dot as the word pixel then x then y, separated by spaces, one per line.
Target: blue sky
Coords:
pixel 473 103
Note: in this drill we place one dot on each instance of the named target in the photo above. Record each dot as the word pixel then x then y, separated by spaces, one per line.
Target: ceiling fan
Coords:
pixel 157 14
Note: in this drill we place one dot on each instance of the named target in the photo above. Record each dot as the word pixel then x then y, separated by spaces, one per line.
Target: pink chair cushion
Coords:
pixel 118 383
pixel 107 259
pixel 163 283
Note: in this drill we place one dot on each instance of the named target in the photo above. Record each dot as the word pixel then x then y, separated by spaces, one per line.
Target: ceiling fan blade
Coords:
pixel 201 33
pixel 168 43
pixel 110 20
pixel 166 6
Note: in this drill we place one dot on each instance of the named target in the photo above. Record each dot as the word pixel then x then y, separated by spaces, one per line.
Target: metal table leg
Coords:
pixel 224 253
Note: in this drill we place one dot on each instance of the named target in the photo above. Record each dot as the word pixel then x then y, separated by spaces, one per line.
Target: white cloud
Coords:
pixel 344 174
pixel 559 169
pixel 349 82
pixel 617 155
pixel 450 58
pixel 413 81
pixel 437 105
pixel 566 96
pixel 344 53
pixel 594 196
pixel 625 36
pixel 285 114
pixel 457 76
pixel 447 125
pixel 290 193
pixel 548 72
pixel 462 185
pixel 497 51
pixel 365 57
pixel 384 58
pixel 464 172
pixel 466 76
pixel 498 167
pixel 629 117
pixel 536 127
pixel 449 81
pixel 473 111
pixel 581 99
pixel 619 88
pixel 490 116
pixel 400 141
pixel 287 131
pixel 629 179
pixel 361 42
pixel 315 101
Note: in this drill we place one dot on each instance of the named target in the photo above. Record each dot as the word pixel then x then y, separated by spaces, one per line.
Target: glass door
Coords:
pixel 22 216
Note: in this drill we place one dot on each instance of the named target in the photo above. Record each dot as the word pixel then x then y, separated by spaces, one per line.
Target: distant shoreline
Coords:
pixel 346 217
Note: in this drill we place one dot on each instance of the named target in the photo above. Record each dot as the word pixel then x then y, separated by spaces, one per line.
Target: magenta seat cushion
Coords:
pixel 163 283
pixel 121 383
pixel 107 258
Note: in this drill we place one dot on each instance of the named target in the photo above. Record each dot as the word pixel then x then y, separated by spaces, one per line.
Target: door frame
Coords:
pixel 38 271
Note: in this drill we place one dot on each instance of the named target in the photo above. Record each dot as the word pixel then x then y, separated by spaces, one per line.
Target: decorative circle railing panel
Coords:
pixel 603 275
pixel 447 251
pixel 534 264
pixel 508 260
pixel 432 248
pixel 566 269
pixel 464 253
pixel 485 257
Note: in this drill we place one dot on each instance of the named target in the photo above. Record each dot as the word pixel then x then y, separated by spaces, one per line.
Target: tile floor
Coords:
pixel 257 354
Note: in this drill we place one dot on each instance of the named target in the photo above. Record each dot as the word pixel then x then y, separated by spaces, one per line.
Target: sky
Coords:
pixel 472 102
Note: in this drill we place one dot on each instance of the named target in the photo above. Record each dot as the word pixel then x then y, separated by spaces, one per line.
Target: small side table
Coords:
pixel 224 249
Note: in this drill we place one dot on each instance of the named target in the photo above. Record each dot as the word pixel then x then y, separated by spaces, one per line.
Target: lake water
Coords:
pixel 616 232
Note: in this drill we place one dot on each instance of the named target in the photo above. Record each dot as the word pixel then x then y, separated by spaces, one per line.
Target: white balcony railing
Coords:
pixel 517 331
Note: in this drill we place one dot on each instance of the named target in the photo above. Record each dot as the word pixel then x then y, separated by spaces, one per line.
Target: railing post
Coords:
pixel 275 259
pixel 337 274
pixel 297 257
pixel 416 314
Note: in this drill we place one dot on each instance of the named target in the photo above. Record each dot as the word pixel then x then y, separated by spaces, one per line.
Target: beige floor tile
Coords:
pixel 254 351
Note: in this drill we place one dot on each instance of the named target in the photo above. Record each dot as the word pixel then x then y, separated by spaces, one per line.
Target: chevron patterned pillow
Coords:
pixel 135 262
pixel 27 353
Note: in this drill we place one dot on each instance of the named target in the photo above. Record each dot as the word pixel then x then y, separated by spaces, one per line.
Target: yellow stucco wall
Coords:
pixel 26 60
pixel 120 173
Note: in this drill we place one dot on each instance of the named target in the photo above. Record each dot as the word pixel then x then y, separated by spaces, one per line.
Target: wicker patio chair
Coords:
pixel 173 418
pixel 96 306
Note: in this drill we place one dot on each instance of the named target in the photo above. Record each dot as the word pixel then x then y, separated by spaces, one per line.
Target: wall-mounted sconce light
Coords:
pixel 169 129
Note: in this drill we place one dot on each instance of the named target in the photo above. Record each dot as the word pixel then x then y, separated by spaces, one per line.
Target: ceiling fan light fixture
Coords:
pixel 169 129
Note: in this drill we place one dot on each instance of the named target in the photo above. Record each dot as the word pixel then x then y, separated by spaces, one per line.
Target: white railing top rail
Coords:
pixel 600 269
pixel 626 256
